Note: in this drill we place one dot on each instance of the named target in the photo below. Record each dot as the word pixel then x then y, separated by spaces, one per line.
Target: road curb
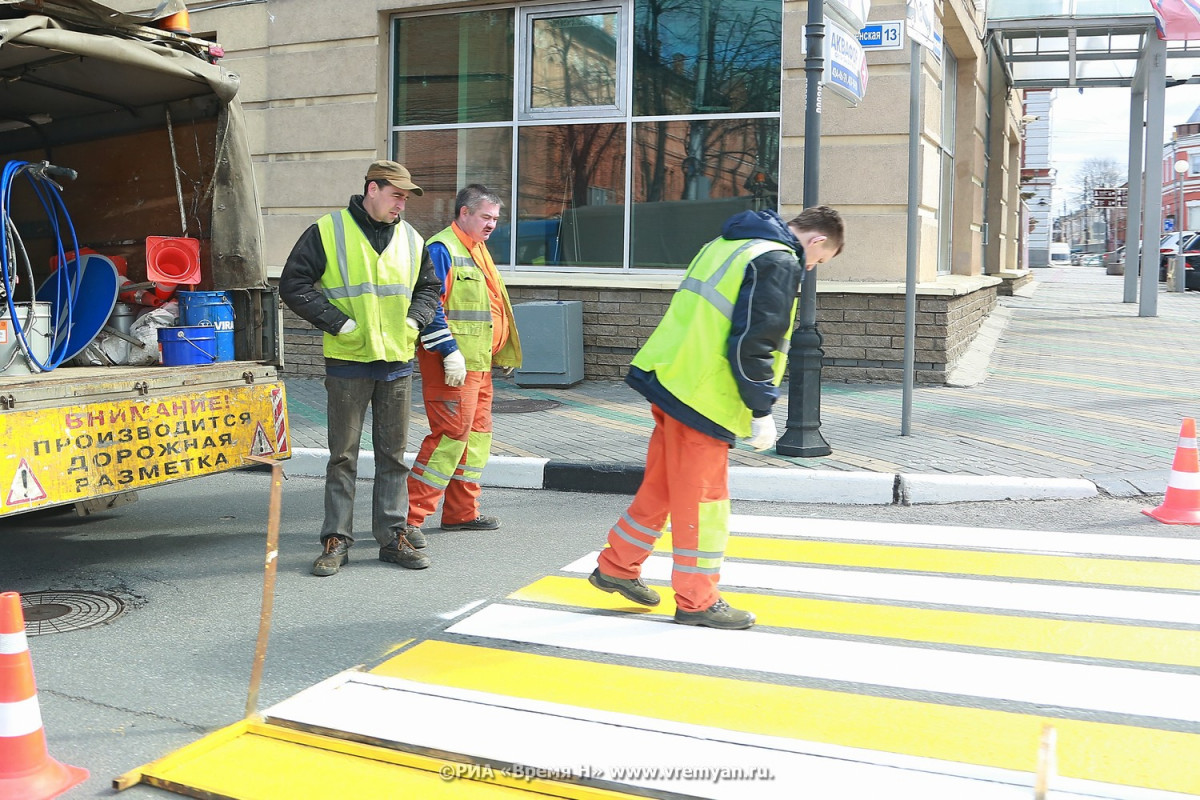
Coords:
pixel 773 484
pixel 930 489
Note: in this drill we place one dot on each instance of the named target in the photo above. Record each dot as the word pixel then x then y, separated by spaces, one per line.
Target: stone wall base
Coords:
pixel 862 331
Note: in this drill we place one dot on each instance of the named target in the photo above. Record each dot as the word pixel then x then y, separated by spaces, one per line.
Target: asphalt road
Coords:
pixel 187 559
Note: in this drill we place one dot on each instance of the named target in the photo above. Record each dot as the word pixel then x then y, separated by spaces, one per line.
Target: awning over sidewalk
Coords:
pixel 1105 43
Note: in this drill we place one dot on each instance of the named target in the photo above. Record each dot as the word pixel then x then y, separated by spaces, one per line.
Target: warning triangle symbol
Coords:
pixel 262 445
pixel 25 487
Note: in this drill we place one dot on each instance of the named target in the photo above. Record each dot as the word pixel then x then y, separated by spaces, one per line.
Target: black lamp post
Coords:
pixel 803 435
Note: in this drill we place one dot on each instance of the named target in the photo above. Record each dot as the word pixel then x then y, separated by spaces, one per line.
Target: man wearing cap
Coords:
pixel 362 275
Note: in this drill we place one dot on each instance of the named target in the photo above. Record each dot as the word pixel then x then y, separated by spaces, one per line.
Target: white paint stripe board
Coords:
pixel 309 706
pixel 1007 595
pixel 1118 690
pixel 20 718
pixel 1079 544
pixel 499 733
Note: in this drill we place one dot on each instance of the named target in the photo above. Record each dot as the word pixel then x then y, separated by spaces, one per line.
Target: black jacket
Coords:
pixel 298 285
pixel 760 324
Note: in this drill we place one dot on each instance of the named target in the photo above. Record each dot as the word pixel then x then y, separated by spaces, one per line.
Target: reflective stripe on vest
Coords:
pixel 467 303
pixel 366 287
pixel 687 352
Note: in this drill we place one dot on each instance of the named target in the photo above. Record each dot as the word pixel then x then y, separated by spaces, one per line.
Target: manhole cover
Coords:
pixel 522 406
pixel 56 612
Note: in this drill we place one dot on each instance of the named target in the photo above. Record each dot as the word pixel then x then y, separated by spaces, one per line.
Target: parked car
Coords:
pixel 1191 252
pixel 1091 260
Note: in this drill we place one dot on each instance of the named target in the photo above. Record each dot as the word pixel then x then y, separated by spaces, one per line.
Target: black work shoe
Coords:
pixel 336 553
pixel 400 551
pixel 719 615
pixel 629 588
pixel 415 537
pixel 480 523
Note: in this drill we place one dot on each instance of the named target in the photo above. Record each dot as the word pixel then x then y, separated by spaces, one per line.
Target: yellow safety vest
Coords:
pixel 688 350
pixel 469 310
pixel 373 289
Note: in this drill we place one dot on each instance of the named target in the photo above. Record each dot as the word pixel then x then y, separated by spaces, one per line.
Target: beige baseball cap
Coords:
pixel 395 174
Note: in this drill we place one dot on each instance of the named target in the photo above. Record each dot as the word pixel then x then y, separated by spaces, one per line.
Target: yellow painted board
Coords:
pixel 1097 751
pixel 1077 569
pixel 1035 635
pixel 267 762
pixel 90 449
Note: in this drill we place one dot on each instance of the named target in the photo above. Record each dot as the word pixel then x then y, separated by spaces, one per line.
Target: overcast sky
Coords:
pixel 1095 124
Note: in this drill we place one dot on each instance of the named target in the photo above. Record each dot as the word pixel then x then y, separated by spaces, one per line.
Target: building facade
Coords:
pixel 1181 190
pixel 1037 176
pixel 622 133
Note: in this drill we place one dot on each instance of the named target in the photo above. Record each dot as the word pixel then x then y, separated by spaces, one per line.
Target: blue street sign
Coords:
pixel 882 36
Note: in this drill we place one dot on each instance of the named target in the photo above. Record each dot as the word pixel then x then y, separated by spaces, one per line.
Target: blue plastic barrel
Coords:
pixel 213 310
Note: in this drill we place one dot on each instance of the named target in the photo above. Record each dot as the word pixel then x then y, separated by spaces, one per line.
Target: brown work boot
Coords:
pixel 415 537
pixel 337 553
pixel 400 551
pixel 719 615
pixel 480 523
pixel 630 588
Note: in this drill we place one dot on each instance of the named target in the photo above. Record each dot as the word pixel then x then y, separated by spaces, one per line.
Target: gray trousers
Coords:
pixel 347 409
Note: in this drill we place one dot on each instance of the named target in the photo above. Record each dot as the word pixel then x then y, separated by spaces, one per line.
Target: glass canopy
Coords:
pixel 1085 43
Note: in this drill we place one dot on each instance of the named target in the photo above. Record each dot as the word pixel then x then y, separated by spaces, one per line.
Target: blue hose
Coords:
pixel 49 195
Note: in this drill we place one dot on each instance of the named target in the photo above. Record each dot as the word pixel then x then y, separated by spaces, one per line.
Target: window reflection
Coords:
pixel 454 68
pixel 442 162
pixel 570 195
pixel 690 176
pixel 573 61
pixel 706 56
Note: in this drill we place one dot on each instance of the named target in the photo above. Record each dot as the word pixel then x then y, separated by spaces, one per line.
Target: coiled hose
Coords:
pixel 49 194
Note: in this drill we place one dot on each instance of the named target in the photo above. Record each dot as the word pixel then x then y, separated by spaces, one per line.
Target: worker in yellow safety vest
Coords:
pixel 456 359
pixel 711 371
pixel 363 276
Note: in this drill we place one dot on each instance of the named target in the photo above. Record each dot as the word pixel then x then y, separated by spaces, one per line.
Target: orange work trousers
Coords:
pixel 453 455
pixel 687 481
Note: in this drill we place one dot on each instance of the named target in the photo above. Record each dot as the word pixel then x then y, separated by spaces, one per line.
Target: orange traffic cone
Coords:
pixel 1181 506
pixel 27 772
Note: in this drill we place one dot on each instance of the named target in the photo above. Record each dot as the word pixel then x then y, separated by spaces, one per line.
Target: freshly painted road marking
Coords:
pixel 953 736
pixel 998 539
pixel 1097 640
pixel 1082 687
pixel 1042 598
pixel 911 558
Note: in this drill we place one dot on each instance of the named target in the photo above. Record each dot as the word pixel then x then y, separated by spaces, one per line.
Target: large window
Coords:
pixel 623 133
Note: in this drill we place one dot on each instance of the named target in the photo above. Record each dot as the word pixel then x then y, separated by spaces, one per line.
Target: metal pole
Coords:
pixel 1177 279
pixel 1136 180
pixel 914 220
pixel 1156 89
pixel 803 435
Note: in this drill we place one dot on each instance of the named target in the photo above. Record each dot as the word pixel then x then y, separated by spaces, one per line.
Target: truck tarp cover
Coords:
pixel 107 67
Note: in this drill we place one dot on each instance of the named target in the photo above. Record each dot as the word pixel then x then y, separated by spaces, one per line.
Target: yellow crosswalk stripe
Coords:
pixel 1076 569
pixel 1098 751
pixel 973 629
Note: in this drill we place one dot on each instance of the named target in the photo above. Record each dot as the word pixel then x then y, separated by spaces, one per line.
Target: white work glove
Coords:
pixel 762 432
pixel 349 326
pixel 412 323
pixel 455 367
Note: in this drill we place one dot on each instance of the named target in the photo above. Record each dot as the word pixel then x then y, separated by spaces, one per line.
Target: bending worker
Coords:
pixel 711 371
pixel 363 276
pixel 457 387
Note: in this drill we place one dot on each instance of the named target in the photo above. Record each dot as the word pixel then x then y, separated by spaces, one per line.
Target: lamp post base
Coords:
pixel 802 443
